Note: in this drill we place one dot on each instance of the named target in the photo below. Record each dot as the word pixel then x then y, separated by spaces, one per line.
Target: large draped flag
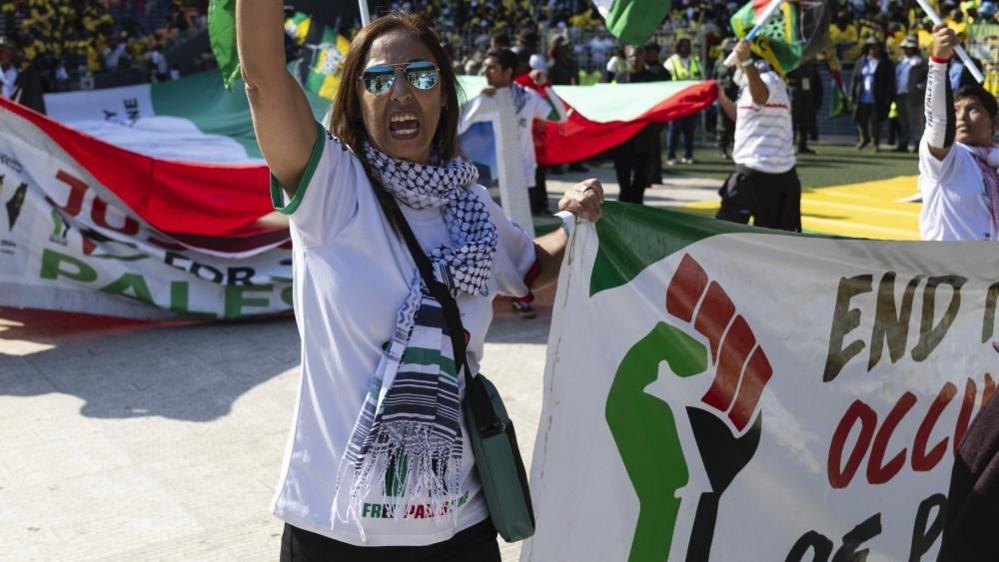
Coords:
pixel 189 120
pixel 146 201
pixel 87 226
pixel 794 36
pixel 698 407
pixel 633 21
pixel 598 120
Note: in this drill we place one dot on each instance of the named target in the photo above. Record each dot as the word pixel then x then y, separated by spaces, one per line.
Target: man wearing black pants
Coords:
pixel 765 185
pixel 633 164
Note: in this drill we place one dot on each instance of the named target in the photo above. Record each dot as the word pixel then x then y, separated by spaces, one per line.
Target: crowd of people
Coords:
pixel 68 42
pixel 563 42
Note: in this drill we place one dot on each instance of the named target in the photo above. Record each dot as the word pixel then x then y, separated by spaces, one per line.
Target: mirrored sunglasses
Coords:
pixel 378 79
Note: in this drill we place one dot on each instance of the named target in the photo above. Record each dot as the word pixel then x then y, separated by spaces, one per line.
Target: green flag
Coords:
pixel 222 34
pixel 633 21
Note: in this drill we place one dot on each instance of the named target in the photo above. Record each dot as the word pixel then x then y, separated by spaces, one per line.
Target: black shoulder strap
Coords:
pixel 485 417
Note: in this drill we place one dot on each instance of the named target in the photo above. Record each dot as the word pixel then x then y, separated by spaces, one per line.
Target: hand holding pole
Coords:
pixel 959 50
pixel 768 15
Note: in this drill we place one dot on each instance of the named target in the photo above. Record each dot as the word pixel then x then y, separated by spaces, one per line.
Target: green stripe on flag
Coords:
pixel 201 99
pixel 633 237
pixel 633 21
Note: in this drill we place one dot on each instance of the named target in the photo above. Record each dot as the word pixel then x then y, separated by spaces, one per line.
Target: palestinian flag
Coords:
pixel 92 227
pixel 795 35
pixel 633 21
pixel 188 141
pixel 323 77
pixel 598 120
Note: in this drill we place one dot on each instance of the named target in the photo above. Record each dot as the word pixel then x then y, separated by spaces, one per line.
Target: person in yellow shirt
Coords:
pixel 844 37
pixel 893 39
pixel 955 20
pixel 925 36
pixel 683 65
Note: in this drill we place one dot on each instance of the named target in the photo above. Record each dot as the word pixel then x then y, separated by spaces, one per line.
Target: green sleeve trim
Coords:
pixel 277 195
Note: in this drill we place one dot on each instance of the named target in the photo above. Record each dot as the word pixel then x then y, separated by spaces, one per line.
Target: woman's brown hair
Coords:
pixel 347 122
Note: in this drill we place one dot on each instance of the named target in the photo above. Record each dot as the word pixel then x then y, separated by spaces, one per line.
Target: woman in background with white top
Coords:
pixel 958 161
pixel 378 464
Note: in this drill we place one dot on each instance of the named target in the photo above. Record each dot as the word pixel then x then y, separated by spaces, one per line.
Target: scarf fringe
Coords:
pixel 431 478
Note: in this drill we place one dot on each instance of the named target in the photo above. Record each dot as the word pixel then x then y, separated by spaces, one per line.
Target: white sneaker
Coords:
pixel 686 160
pixel 671 162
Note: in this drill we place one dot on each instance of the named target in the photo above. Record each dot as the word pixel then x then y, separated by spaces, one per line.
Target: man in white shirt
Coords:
pixel 498 68
pixel 958 176
pixel 765 185
pixel 910 85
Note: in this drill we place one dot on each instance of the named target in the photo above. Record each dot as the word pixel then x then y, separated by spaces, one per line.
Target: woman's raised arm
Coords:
pixel 282 118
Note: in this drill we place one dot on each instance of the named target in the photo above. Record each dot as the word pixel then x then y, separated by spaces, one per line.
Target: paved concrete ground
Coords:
pixel 124 440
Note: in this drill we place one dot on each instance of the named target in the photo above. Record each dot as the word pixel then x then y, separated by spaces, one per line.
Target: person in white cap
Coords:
pixel 958 160
pixel 910 88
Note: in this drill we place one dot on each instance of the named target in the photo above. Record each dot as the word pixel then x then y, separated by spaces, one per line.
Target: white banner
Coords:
pixel 68 243
pixel 756 396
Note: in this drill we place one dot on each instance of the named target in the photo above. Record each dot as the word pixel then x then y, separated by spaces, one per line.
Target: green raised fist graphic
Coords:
pixel 645 427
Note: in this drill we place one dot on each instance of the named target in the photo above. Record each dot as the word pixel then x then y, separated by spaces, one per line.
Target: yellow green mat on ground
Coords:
pixel 872 209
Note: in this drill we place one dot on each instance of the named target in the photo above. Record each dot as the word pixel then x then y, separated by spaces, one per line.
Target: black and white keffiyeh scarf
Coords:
pixel 406 442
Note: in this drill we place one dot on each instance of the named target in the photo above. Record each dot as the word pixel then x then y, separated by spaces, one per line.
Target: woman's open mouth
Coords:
pixel 404 125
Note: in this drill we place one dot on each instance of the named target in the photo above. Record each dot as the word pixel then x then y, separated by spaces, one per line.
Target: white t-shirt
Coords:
pixel 159 61
pixel 536 107
pixel 8 79
pixel 764 137
pixel 351 273
pixel 955 203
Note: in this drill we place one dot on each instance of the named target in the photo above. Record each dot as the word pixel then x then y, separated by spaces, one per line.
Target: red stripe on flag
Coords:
pixel 176 197
pixel 579 138
pixel 759 6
